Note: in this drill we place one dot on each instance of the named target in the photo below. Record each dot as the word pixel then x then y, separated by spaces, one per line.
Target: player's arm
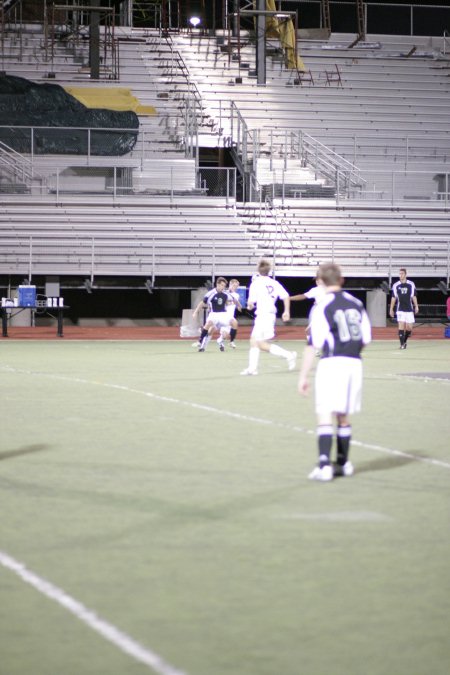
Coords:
pixel 200 305
pixel 391 309
pixel 251 300
pixel 415 303
pixel 287 309
pixel 366 329
pixel 300 296
pixel 307 362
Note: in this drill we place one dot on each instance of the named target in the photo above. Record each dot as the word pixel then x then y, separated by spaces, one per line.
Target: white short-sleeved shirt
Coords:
pixel 316 293
pixel 264 293
pixel 231 305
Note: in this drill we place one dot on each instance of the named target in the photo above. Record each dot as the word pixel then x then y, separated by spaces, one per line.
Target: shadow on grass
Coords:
pixel 27 450
pixel 384 464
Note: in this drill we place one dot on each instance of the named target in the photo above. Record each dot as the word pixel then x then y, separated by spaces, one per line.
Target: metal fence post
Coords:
pixel 448 263
pixel 92 259
pixel 30 263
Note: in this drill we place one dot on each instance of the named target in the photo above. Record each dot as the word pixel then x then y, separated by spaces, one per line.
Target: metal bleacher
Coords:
pixel 90 237
pixel 368 242
pixel 386 113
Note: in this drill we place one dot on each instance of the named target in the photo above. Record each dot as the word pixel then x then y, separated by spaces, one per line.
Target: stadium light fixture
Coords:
pixel 195 21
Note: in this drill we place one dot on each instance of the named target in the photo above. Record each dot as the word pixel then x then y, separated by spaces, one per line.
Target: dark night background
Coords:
pixel 388 17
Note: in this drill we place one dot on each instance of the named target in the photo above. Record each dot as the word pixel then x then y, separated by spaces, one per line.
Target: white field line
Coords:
pixel 121 640
pixel 229 413
pixel 90 618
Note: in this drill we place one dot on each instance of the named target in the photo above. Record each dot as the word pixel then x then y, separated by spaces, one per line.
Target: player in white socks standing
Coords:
pixel 404 294
pixel 340 328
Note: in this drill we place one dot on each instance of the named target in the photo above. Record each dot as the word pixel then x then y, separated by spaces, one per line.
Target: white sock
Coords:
pixel 276 350
pixel 253 358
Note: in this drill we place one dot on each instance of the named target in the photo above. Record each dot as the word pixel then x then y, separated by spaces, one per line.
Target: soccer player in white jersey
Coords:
pixel 404 294
pixel 232 304
pixel 315 293
pixel 263 294
pixel 339 327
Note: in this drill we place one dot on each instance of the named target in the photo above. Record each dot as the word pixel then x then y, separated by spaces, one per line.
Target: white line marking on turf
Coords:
pixel 90 618
pixel 340 516
pixel 228 413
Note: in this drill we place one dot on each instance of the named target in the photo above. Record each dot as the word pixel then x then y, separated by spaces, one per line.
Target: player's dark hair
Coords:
pixel 221 279
pixel 264 267
pixel 402 269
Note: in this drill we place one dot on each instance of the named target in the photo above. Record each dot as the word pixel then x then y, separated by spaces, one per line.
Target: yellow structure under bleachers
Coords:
pixel 110 98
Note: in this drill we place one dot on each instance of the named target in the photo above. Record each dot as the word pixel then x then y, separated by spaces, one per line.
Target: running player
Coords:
pixel 263 294
pixel 233 304
pixel 216 301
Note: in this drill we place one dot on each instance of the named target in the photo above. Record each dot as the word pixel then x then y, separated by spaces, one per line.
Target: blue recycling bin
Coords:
pixel 242 292
pixel 27 296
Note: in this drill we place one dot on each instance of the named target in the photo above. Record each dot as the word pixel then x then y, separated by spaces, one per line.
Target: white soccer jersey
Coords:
pixel 316 293
pixel 264 293
pixel 231 305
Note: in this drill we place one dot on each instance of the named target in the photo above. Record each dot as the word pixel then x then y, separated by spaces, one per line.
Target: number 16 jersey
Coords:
pixel 339 325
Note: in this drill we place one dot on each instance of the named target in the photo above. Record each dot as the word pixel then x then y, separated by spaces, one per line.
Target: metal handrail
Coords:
pixel 288 144
pixel 17 164
pixel 445 41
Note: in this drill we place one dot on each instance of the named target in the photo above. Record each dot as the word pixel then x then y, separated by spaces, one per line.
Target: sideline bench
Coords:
pixel 432 314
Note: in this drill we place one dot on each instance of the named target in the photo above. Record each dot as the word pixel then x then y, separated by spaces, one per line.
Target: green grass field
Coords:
pixel 156 515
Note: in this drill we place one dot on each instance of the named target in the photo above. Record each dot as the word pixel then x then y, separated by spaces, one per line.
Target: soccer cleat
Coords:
pixel 292 360
pixel 232 345
pixel 346 469
pixel 247 371
pixel 323 474
pixel 202 349
pixel 404 345
pixel 222 347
